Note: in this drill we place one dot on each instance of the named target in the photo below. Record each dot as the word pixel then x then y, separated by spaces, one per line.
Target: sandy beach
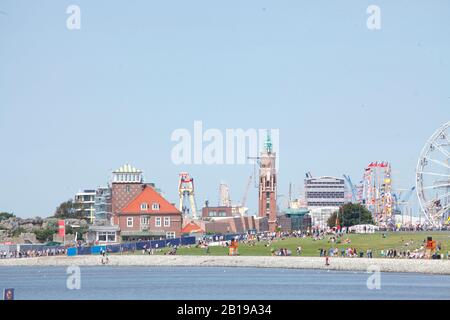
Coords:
pixel 349 264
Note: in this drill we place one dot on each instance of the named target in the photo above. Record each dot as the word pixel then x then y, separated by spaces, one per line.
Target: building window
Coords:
pixel 155 206
pixel 170 235
pixel 111 236
pixel 129 222
pixel 144 221
pixel 102 236
pixel 144 206
pixel 166 221
pixel 158 222
pixel 128 189
pixel 212 213
pixel 107 236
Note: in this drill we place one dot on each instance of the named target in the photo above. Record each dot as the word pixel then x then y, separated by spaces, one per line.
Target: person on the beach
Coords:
pixel 105 258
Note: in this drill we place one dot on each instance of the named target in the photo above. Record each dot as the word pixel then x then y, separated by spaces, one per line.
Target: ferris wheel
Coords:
pixel 433 177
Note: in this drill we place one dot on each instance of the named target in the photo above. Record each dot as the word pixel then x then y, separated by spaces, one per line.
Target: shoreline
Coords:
pixel 441 267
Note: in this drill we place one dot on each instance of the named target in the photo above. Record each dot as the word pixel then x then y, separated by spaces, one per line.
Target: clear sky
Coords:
pixel 76 104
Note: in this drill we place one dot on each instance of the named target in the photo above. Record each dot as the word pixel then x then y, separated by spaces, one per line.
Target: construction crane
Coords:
pixel 247 188
pixel 290 195
pixel 352 188
pixel 404 198
pixel 186 193
pixel 401 200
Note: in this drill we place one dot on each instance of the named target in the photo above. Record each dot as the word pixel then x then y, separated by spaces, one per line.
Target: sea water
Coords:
pixel 221 283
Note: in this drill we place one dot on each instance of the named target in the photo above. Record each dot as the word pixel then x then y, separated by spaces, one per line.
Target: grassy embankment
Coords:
pixel 362 242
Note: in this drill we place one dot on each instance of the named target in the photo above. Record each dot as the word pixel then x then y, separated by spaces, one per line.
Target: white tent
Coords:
pixel 363 228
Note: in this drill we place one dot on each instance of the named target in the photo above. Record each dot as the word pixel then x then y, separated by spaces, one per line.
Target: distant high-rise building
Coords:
pixel 324 195
pixel 325 192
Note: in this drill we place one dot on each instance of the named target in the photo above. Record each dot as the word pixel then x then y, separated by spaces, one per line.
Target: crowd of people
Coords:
pixel 339 245
pixel 32 253
pixel 345 253
pixel 281 252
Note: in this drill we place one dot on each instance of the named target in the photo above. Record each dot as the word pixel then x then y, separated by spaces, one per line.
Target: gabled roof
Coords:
pixel 191 228
pixel 149 196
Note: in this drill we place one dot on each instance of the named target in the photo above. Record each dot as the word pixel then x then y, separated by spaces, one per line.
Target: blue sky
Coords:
pixel 76 104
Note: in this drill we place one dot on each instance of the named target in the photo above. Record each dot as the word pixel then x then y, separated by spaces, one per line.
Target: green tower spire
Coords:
pixel 268 143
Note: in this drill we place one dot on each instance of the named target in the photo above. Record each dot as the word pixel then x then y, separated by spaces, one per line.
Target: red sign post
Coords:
pixel 61 228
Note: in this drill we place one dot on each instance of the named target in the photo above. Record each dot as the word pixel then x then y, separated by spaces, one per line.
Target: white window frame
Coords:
pixel 145 220
pixel 157 221
pixel 166 221
pixel 102 233
pixel 110 234
pixel 170 235
pixel 130 219
pixel 155 206
pixel 144 206
pixel 106 234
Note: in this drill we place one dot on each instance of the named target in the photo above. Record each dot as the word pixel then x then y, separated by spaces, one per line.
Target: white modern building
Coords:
pixel 324 196
pixel 85 201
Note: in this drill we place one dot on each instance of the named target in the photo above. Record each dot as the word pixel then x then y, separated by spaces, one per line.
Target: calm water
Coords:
pixel 107 282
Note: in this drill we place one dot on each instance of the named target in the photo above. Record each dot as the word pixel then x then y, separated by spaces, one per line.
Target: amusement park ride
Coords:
pixel 433 177
pixel 432 184
pixel 377 191
pixel 377 194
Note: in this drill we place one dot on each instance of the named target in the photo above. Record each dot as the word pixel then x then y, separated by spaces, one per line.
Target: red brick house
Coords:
pixel 127 183
pixel 149 216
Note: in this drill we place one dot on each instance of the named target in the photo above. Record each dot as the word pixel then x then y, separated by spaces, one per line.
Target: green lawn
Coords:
pixel 394 240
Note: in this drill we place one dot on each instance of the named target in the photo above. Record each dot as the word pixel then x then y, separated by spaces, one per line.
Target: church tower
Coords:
pixel 268 185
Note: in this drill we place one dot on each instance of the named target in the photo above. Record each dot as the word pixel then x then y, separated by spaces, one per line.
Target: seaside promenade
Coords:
pixel 292 262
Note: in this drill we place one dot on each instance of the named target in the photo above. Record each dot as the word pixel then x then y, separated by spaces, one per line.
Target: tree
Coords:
pixel 69 210
pixel 79 231
pixel 351 214
pixel 17 232
pixel 6 215
pixel 331 222
pixel 44 234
